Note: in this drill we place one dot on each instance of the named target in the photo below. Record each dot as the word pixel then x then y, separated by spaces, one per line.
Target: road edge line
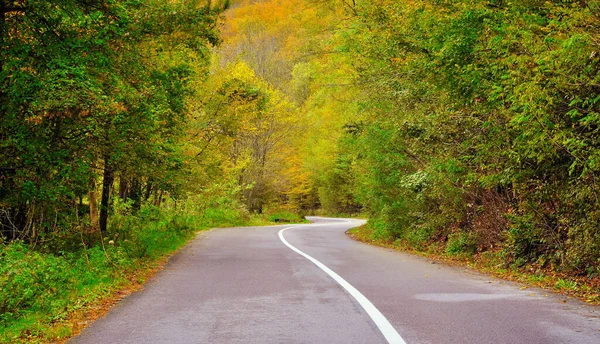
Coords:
pixel 389 332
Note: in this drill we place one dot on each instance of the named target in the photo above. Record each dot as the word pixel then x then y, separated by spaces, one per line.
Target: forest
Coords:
pixel 463 128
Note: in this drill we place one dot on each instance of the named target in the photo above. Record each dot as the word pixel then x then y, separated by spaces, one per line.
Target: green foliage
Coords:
pixel 523 240
pixel 224 217
pixel 335 187
pixel 435 116
pixel 480 117
pixel 116 148
pixel 562 284
pixel 28 279
pixel 461 243
pixel 420 236
pixel 40 289
pixel 245 129
pixel 91 92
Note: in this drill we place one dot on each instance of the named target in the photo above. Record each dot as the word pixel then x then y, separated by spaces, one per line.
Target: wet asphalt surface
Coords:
pixel 243 285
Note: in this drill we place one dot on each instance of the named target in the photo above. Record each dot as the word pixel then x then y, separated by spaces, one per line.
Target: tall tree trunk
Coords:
pixel 135 194
pixel 148 189
pixel 158 195
pixel 124 189
pixel 2 24
pixel 93 206
pixel 107 182
pixel 6 229
pixel 2 38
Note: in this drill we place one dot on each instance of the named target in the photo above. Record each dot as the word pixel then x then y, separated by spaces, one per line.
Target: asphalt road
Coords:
pixel 313 284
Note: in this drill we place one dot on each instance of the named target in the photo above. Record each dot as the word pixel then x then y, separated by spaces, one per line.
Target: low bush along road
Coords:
pixel 313 284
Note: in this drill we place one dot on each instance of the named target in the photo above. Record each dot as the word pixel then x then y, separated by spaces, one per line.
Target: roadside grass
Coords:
pixel 321 212
pixel 48 297
pixel 284 217
pixel 491 262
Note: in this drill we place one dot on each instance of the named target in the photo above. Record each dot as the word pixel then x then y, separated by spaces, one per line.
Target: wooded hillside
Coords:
pixel 465 127
pixel 472 125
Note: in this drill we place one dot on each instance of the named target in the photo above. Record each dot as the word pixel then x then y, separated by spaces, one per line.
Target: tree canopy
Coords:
pixel 467 125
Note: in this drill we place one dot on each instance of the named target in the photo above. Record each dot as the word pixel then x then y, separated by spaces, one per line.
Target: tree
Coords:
pixel 250 122
pixel 93 91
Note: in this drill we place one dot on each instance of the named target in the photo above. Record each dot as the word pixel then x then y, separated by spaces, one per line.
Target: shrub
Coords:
pixel 461 243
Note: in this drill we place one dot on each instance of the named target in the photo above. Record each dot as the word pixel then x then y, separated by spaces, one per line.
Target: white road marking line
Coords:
pixel 388 331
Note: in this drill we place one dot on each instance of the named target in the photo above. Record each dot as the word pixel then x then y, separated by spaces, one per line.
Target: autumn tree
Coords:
pixel 251 123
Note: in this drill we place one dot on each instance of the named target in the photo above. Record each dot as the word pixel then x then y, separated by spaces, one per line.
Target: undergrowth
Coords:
pixel 41 288
pixel 460 249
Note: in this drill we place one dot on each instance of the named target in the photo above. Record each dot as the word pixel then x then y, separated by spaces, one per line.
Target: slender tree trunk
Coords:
pixel 2 38
pixel 158 197
pixel 107 182
pixel 2 24
pixel 5 229
pixel 135 194
pixel 124 189
pixel 148 189
pixel 93 206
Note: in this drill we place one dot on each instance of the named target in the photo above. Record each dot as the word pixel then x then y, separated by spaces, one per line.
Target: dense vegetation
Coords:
pixel 482 126
pixel 463 127
pixel 467 126
pixel 92 93
pixel 101 171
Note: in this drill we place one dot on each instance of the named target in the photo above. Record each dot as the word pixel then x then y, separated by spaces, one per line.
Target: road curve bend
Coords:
pixel 312 284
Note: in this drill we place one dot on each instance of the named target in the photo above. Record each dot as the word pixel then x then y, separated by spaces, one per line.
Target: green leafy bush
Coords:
pixel 461 243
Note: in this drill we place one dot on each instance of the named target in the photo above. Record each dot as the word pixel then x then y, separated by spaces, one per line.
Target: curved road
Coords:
pixel 313 284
